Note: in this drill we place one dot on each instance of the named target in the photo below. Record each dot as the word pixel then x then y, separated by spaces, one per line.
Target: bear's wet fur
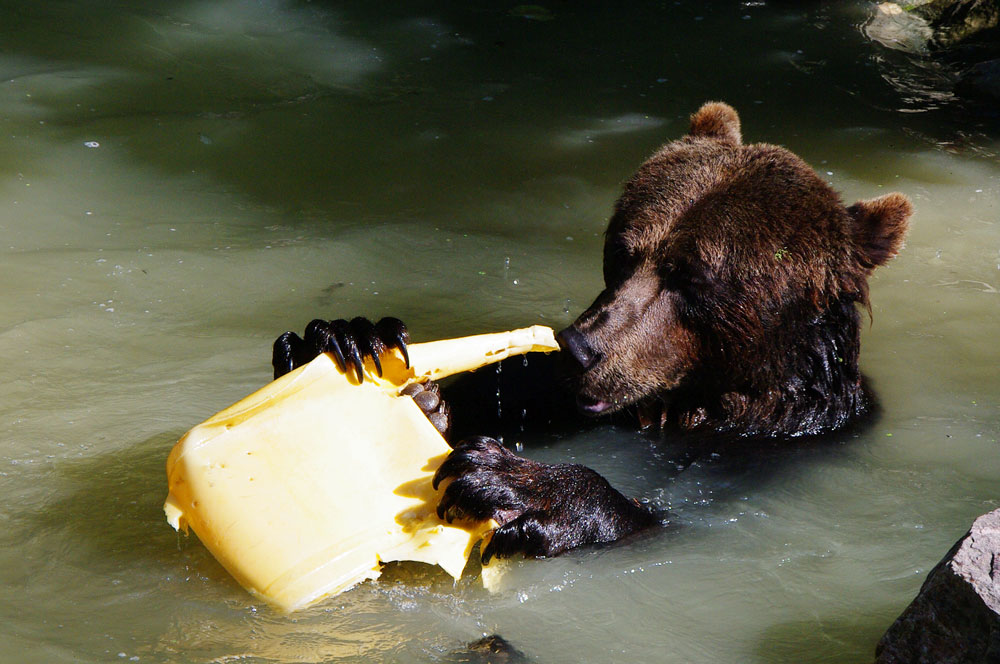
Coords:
pixel 733 276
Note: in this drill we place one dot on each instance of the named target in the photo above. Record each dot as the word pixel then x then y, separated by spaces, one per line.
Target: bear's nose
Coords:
pixel 571 340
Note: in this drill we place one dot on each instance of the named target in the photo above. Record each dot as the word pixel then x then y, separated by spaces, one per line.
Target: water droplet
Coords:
pixel 499 366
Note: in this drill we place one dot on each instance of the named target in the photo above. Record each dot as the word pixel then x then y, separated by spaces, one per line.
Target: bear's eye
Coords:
pixel 672 277
pixel 682 278
pixel 618 263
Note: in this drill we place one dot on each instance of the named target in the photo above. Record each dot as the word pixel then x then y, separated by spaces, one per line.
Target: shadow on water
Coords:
pixel 826 639
pixel 740 454
pixel 524 399
pixel 113 511
pixel 191 80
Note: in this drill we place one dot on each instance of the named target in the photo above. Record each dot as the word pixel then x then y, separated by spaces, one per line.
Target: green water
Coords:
pixel 180 182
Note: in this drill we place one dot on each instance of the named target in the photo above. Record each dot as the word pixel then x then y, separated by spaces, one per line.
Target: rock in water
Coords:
pixel 917 26
pixel 895 28
pixel 981 81
pixel 954 21
pixel 955 619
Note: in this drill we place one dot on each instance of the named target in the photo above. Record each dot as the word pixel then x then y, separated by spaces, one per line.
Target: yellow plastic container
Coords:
pixel 302 489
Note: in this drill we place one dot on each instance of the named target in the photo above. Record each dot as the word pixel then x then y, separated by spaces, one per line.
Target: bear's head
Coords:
pixel 732 278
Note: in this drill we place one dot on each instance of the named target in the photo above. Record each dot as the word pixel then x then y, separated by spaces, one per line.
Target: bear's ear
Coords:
pixel 717 120
pixel 880 225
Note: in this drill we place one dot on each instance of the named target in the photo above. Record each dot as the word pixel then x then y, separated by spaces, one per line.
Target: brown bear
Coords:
pixel 733 276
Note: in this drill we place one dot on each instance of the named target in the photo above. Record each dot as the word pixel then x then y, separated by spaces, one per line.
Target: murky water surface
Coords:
pixel 181 182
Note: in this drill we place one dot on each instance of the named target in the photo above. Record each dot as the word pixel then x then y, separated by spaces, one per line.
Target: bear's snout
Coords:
pixel 576 344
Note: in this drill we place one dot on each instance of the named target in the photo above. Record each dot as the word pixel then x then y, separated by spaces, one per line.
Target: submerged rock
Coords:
pixel 939 24
pixel 895 28
pixel 956 20
pixel 488 650
pixel 981 81
pixel 955 618
pixel 950 44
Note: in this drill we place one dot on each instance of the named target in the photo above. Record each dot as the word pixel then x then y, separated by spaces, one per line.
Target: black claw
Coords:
pixel 350 343
pixel 487 553
pixel 394 334
pixel 320 336
pixel 446 501
pixel 522 535
pixel 490 550
pixel 402 349
pixel 368 341
pixel 451 467
pixel 461 500
pixel 447 469
pixel 283 353
pixel 468 454
pixel 342 338
pixel 358 363
pixel 338 355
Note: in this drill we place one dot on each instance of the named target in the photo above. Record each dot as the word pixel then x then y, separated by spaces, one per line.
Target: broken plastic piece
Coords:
pixel 302 489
